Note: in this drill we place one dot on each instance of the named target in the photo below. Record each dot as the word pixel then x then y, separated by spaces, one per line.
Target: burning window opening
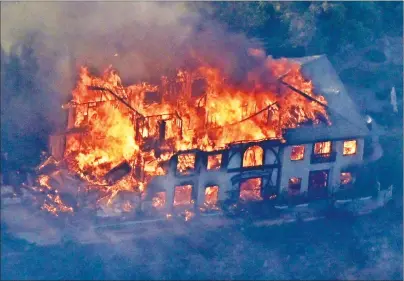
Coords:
pixel 322 152
pixel 159 200
pixel 297 152
pixel 294 186
pixel 322 148
pixel 186 163
pixel 250 189
pixel 346 178
pixel 318 183
pixel 214 161
pixel 183 195
pixel 349 147
pixel 253 156
pixel 211 196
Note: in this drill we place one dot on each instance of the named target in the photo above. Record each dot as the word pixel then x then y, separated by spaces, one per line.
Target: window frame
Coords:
pixel 220 165
pixel 245 151
pixel 188 171
pixel 356 147
pixel 291 151
pixel 217 194
pixel 260 189
pixel 191 201
pixel 317 158
pixel 329 153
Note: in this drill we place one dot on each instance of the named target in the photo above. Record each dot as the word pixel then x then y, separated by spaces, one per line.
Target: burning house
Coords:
pixel 196 140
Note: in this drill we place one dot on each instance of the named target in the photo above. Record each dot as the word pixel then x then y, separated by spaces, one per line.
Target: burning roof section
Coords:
pixel 342 112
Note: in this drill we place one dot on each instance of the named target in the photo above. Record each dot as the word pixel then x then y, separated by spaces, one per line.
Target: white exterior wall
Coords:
pixel 302 168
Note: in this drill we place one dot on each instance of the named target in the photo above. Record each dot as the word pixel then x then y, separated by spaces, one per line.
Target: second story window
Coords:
pixel 186 163
pixel 322 148
pixel 322 152
pixel 214 161
pixel 349 147
pixel 297 153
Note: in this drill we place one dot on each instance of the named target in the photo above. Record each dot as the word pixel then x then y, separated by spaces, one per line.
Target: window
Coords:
pixel 349 147
pixel 297 153
pixel 253 156
pixel 322 152
pixel 250 189
pixel 183 195
pixel 318 182
pixel 322 148
pixel 294 186
pixel 211 195
pixel 346 178
pixel 186 163
pixel 159 201
pixel 214 161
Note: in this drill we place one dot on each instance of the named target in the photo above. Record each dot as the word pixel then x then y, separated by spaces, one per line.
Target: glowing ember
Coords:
pixel 159 200
pixel 250 190
pixel 297 152
pixel 127 207
pixel 44 181
pixel 189 215
pixel 186 163
pixel 53 204
pixel 349 147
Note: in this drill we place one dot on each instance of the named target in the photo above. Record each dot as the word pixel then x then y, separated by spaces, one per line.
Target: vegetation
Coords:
pixel 24 120
pixel 307 28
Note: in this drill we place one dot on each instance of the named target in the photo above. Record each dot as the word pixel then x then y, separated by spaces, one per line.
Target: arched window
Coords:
pixel 253 156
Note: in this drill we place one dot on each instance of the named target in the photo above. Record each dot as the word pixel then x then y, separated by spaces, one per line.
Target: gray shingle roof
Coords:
pixel 346 120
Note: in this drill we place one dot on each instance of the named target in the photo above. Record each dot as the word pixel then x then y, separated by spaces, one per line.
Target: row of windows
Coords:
pixel 250 190
pixel 349 147
pixel 183 197
pixel 318 181
pixel 254 155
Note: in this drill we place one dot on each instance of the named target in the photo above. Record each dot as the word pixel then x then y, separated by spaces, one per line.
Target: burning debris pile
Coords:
pixel 119 137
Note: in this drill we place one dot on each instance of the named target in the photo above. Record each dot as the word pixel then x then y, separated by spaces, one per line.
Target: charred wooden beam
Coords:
pixel 303 93
pixel 117 173
pixel 95 88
